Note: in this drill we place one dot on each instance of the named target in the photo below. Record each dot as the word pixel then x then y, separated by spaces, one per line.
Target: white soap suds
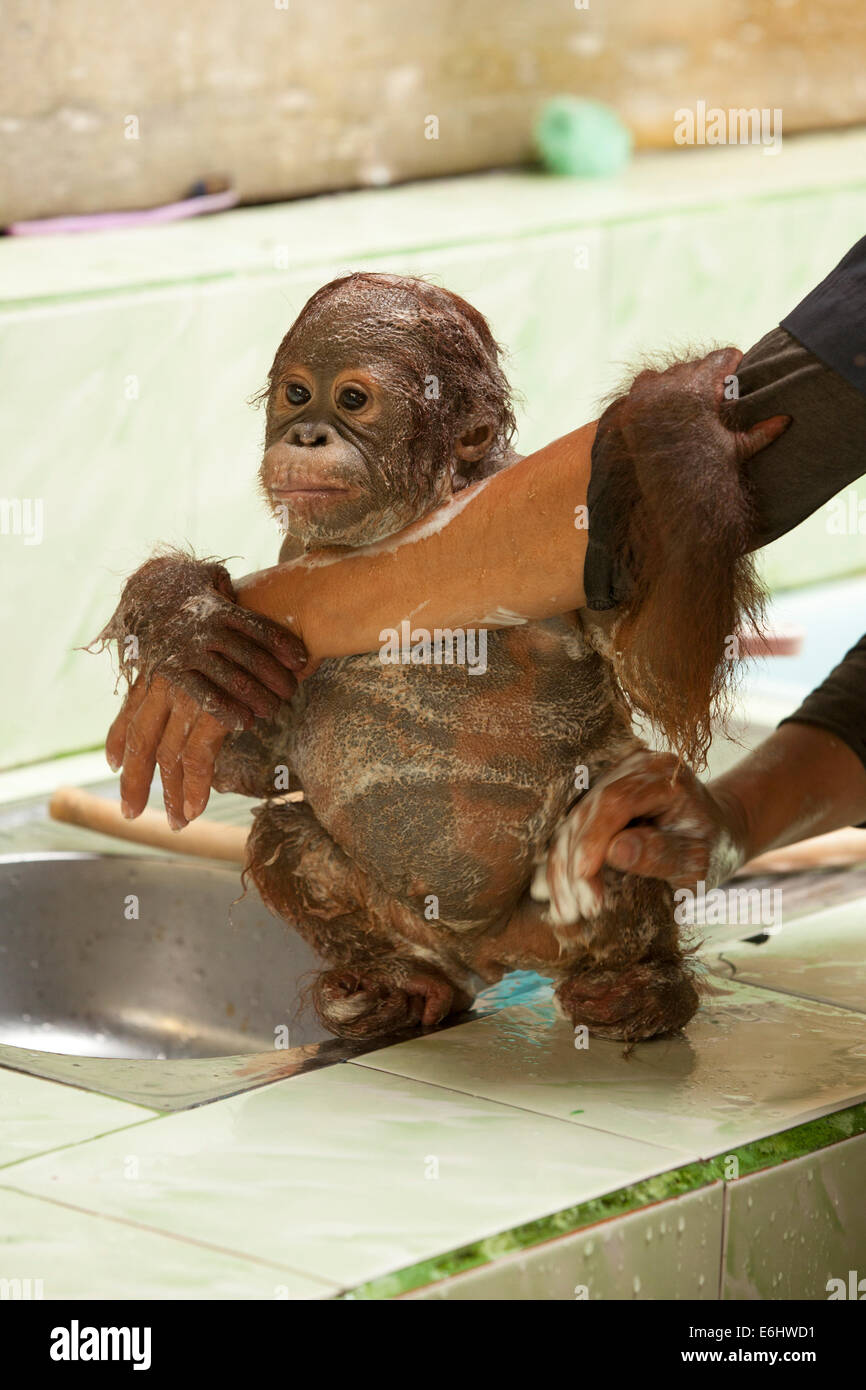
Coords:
pixel 200 605
pixel 417 531
pixel 503 617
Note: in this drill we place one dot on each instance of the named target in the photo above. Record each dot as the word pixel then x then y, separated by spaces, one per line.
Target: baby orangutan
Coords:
pixel 431 788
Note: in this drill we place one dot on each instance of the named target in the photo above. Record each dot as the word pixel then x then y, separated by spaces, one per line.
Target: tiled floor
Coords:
pixel 752 1062
pixel 38 1115
pixel 345 1174
pixel 327 1181
pixel 821 958
pixel 545 1169
pixel 75 1254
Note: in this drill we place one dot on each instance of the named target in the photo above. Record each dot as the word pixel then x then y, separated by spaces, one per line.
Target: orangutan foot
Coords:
pixel 648 1000
pixel 355 1003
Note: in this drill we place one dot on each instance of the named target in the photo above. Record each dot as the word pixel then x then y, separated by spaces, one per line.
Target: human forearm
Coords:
pixel 798 473
pixel 511 545
pixel 802 781
pixel 652 816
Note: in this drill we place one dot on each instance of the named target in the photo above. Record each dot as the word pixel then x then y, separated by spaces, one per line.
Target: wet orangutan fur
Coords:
pixel 156 607
pixel 682 526
pixel 431 792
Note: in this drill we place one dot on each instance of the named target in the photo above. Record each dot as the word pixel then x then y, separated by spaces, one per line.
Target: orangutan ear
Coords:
pixel 474 442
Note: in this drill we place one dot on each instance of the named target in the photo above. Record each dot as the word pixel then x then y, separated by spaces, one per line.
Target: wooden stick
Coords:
pixel 837 849
pixel 207 839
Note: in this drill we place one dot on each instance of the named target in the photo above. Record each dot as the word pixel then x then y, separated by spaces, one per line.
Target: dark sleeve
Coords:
pixel 831 320
pixel 813 368
pixel 823 449
pixel 839 703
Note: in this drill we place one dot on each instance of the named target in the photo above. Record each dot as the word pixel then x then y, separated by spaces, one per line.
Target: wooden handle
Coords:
pixel 206 839
pixel 837 849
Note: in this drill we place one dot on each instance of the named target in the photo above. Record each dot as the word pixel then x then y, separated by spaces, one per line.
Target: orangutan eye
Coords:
pixel 296 394
pixel 352 398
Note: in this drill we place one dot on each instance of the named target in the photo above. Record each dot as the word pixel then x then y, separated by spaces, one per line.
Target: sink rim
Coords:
pixel 181 1083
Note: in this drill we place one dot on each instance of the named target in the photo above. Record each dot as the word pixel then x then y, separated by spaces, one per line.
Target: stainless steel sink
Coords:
pixel 144 978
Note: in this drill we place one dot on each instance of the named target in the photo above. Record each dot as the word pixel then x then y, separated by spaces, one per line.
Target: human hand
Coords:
pixel 686 833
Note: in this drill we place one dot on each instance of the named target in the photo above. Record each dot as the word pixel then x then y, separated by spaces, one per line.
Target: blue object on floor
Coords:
pixel 520 987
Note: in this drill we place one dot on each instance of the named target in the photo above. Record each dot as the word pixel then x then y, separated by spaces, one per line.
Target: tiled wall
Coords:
pixel 793 1229
pixel 787 1232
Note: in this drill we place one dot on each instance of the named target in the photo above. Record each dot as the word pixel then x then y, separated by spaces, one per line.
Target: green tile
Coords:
pixel 717 283
pixel 752 1062
pixel 345 1175
pixel 37 1116
pixel 667 1251
pixel 793 1228
pixel 72 1254
pixel 818 957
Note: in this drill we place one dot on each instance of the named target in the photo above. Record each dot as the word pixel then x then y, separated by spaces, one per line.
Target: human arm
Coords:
pixel 801 782
pixel 511 544
pixel 807 779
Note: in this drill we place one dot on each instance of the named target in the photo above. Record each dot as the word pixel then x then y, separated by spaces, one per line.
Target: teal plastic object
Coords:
pixel 582 138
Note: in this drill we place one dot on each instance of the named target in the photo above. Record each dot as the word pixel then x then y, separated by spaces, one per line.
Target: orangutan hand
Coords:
pixel 178 617
pixel 161 725
pixel 685 834
pixel 704 380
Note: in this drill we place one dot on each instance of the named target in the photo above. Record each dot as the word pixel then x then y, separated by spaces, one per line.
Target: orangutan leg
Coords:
pixel 388 973
pixel 621 974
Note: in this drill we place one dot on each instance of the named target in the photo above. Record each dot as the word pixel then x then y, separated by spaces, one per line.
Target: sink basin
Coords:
pixel 124 956
pixel 145 978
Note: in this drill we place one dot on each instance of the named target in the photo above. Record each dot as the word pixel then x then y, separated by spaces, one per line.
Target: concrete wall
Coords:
pixel 285 98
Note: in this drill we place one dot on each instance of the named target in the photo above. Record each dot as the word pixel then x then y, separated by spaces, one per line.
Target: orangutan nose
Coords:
pixel 310 434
